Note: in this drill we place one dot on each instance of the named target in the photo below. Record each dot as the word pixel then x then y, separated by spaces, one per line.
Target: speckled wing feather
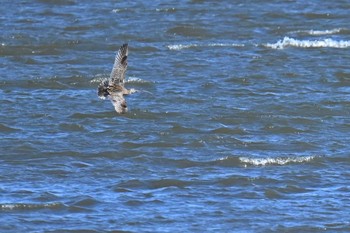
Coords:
pixel 118 102
pixel 102 89
pixel 120 65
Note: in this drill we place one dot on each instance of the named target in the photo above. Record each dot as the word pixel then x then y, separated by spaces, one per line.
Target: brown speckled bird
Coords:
pixel 113 87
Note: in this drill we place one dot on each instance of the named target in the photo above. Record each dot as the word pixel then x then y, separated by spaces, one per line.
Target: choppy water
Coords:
pixel 242 123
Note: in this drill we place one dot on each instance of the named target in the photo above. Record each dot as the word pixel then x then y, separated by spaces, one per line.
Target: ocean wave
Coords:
pixel 323 43
pixel 275 161
pixel 188 46
pixel 7 129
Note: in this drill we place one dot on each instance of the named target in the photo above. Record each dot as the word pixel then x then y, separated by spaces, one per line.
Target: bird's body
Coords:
pixel 113 87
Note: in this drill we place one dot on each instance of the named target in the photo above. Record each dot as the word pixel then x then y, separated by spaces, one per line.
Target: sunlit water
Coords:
pixel 241 122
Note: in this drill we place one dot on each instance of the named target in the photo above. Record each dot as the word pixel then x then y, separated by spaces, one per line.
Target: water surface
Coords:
pixel 241 123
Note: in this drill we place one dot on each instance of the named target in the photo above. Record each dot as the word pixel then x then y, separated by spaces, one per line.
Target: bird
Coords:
pixel 112 88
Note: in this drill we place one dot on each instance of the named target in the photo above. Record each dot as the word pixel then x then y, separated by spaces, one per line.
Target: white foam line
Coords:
pixel 324 32
pixel 324 43
pixel 27 206
pixel 181 46
pixel 320 32
pixel 187 46
pixel 135 80
pixel 276 161
pixel 128 80
pixel 97 79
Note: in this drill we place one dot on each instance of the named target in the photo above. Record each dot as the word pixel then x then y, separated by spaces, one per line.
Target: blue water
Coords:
pixel 240 123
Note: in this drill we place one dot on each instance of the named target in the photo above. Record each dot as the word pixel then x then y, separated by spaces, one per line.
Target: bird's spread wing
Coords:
pixel 120 65
pixel 118 102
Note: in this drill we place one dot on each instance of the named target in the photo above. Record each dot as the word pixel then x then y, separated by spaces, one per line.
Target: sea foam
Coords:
pixel 99 78
pixel 27 206
pixel 275 161
pixel 320 32
pixel 136 80
pixel 188 46
pixel 322 43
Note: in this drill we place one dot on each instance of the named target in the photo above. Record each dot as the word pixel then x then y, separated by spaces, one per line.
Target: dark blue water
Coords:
pixel 241 122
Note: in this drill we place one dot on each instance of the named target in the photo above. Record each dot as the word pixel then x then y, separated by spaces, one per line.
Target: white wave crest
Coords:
pixel 181 46
pixel 28 206
pixel 136 80
pixel 325 43
pixel 324 32
pixel 320 32
pixel 116 10
pixel 100 78
pixel 275 161
pixel 187 46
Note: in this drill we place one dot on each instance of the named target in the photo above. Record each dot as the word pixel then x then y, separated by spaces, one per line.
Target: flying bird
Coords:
pixel 113 87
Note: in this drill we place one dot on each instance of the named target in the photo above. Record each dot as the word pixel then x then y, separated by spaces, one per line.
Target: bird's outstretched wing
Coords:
pixel 120 65
pixel 118 102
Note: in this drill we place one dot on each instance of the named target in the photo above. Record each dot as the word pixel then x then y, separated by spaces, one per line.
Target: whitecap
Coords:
pixel 166 9
pixel 320 32
pixel 98 78
pixel 324 43
pixel 136 80
pixel 187 46
pixel 225 45
pixel 9 206
pixel 181 46
pixel 275 161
